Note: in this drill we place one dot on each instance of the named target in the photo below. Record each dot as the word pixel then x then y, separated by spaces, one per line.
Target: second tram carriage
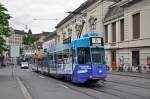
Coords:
pixel 79 61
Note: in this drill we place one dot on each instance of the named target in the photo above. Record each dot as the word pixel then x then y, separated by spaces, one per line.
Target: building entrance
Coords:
pixel 113 60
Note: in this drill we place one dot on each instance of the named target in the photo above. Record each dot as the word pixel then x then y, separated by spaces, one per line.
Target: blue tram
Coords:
pixel 79 61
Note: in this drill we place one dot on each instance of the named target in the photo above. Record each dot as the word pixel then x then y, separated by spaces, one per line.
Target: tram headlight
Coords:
pixel 82 71
pixel 100 71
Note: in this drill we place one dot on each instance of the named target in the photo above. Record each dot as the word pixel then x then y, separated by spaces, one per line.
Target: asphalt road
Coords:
pixel 116 87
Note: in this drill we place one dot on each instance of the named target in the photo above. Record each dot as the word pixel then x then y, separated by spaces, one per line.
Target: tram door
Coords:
pixel 113 60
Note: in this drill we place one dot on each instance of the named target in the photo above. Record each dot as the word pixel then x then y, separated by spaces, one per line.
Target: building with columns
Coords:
pixel 127 35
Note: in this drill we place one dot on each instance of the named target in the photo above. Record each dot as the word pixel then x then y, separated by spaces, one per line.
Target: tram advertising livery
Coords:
pixel 79 61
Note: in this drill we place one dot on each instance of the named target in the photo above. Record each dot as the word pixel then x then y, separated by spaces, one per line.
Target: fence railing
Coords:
pixel 140 69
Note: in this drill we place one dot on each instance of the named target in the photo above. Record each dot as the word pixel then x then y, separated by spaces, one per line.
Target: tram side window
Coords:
pixel 55 60
pixel 66 56
pixel 71 56
pixel 50 60
pixel 84 55
pixel 60 59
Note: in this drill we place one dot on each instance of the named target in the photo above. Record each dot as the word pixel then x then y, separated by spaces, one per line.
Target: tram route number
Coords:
pixel 96 40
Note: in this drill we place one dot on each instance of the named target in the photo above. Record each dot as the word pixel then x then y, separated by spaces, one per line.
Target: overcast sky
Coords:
pixel 24 11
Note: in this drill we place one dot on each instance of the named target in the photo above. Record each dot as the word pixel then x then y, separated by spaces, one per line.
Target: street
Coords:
pixel 116 87
pixel 99 49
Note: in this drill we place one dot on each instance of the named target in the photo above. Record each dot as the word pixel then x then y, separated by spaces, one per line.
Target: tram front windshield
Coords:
pixel 98 55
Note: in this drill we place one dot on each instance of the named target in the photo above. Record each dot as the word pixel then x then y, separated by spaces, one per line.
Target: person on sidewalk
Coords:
pixel 1 60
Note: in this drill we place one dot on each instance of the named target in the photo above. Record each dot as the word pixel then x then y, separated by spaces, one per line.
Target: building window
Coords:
pixel 135 58
pixel 58 38
pixel 93 27
pixel 114 32
pixel 69 32
pixel 77 29
pixel 122 30
pixel 106 33
pixel 92 24
pixel 64 35
pixel 136 26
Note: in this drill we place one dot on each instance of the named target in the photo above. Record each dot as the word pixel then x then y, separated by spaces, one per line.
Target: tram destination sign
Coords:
pixel 96 41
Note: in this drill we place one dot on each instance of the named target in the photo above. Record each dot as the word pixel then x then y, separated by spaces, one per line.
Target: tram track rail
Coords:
pixel 75 87
pixel 98 88
pixel 112 92
pixel 129 75
pixel 94 89
pixel 109 93
pixel 122 83
pixel 69 85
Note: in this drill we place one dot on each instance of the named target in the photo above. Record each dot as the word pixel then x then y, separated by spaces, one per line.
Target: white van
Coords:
pixel 24 65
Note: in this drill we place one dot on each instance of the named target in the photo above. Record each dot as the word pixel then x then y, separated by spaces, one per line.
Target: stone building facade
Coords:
pixel 91 12
pixel 127 35
pixel 124 24
pixel 16 38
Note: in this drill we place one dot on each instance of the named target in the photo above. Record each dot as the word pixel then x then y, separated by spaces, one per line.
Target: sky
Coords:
pixel 49 13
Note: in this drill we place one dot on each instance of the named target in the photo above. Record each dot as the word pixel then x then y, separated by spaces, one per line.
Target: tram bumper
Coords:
pixel 98 72
pixel 82 75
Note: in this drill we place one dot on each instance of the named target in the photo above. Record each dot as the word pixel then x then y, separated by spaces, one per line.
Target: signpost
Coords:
pixel 14 53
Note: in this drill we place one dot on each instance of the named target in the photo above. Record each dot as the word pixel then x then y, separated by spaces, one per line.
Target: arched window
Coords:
pixel 92 23
pixel 77 28
pixel 69 32
pixel 64 35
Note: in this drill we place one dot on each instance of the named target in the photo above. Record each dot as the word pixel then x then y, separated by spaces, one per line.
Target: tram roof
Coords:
pixel 94 34
pixel 81 42
pixel 85 41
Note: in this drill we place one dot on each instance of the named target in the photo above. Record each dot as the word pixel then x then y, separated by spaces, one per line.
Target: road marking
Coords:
pixel 41 77
pixel 24 90
pixel 63 86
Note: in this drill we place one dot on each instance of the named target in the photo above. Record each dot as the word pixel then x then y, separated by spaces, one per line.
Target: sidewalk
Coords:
pixel 132 74
pixel 9 87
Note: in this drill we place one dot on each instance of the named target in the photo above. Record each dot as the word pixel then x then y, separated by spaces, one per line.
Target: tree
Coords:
pixel 29 39
pixel 4 27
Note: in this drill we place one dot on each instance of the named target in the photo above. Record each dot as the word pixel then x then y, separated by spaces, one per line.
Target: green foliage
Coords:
pixel 4 27
pixel 29 39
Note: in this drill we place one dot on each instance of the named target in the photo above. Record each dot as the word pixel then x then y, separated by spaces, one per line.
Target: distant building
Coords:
pixel 41 39
pixel 37 45
pixel 16 38
pixel 50 42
